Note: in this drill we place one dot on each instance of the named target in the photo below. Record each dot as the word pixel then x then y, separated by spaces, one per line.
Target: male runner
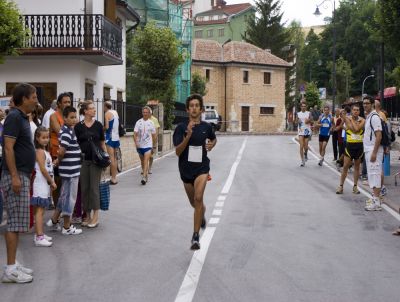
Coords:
pixel 192 140
pixel 354 146
pixel 325 124
pixel 303 118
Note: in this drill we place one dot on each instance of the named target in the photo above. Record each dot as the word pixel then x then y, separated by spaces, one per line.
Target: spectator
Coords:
pixel 90 130
pixel 111 124
pixel 46 118
pixel 18 164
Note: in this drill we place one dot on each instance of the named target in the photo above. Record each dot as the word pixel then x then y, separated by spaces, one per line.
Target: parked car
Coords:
pixel 211 116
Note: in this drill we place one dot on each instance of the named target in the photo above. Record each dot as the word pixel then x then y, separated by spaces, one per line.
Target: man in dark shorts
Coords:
pixel 19 158
pixel 192 140
pixel 354 149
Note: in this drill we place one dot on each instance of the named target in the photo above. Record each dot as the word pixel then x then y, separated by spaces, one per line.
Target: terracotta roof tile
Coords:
pixel 237 52
pixel 226 9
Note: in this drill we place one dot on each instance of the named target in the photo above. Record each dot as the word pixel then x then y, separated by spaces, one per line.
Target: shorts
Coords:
pixel 354 151
pixel 16 206
pixel 305 136
pixel 143 151
pixel 323 138
pixel 40 202
pixel 374 169
pixel 189 176
pixel 68 193
pixel 113 144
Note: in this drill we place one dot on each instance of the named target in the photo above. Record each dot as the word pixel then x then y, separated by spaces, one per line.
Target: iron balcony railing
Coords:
pixel 73 32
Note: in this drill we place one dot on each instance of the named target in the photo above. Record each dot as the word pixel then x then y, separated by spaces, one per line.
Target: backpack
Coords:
pixel 386 137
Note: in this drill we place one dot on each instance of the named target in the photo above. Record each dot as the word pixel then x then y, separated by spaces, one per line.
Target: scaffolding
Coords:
pixel 176 14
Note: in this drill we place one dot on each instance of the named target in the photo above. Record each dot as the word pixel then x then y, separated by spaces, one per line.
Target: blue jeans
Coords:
pixel 68 193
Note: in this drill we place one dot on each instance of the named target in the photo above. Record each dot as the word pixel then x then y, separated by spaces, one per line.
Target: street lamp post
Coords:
pixel 318 13
pixel 372 75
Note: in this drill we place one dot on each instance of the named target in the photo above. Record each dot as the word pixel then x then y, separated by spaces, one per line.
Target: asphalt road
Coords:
pixel 283 235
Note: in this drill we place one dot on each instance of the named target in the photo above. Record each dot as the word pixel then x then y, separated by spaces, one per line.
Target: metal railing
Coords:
pixel 77 31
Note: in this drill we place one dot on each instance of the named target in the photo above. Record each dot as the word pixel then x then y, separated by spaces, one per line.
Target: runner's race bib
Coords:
pixel 356 137
pixel 325 125
pixel 195 154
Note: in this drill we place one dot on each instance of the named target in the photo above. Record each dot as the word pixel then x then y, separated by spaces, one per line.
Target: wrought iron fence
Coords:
pixel 392 106
pixel 78 31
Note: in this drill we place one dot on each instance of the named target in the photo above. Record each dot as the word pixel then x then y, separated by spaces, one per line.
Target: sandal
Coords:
pixel 396 232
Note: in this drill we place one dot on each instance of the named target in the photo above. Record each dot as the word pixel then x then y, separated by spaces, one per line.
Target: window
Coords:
pixel 266 110
pixel 221 32
pixel 200 18
pixel 106 94
pixel 207 75
pixel 198 34
pixel 267 78
pixel 210 33
pixel 119 96
pixel 245 76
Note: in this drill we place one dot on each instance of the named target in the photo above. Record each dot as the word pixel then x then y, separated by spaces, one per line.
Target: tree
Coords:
pixel 198 84
pixel 388 15
pixel 266 30
pixel 343 78
pixel 12 31
pixel 312 95
pixel 154 53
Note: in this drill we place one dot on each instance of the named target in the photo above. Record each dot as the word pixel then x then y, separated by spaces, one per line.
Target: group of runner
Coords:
pixel 361 137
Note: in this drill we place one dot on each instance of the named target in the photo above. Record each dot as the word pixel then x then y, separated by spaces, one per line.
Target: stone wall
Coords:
pixel 130 157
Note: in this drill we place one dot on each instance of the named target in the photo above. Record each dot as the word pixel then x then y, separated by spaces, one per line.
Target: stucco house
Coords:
pixel 223 22
pixel 245 84
pixel 76 46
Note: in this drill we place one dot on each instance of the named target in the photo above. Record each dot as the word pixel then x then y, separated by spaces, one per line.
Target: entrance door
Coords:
pixel 245 118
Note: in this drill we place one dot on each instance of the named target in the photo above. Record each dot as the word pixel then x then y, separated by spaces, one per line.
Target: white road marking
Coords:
pixel 231 176
pixel 219 204
pixel 364 192
pixel 189 284
pixel 217 213
pixel 222 197
pixel 191 280
pixel 213 220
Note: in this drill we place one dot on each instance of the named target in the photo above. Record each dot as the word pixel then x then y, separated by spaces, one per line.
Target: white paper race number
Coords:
pixel 195 154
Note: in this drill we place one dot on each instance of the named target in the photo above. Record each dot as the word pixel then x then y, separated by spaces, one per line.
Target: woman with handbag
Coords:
pixel 90 135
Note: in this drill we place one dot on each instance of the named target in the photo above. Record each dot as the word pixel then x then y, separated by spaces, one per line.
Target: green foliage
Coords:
pixel 388 15
pixel 12 31
pixel 343 79
pixel 293 82
pixel 266 29
pixel 198 84
pixel 312 95
pixel 155 58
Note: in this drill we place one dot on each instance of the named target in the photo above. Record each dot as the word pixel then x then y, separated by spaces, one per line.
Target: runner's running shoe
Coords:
pixel 195 242
pixel 339 190
pixel 355 190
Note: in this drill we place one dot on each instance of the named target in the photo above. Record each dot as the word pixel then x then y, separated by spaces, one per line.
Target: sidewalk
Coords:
pixel 392 199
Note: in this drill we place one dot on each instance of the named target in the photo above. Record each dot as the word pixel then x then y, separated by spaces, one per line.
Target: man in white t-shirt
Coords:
pixel 46 117
pixel 373 152
pixel 144 135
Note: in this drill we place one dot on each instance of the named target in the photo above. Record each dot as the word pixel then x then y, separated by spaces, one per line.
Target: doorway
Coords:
pixel 245 118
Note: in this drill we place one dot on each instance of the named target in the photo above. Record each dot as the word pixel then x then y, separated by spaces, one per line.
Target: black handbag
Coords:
pixel 99 157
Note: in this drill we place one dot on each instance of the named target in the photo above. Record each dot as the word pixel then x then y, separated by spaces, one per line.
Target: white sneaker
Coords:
pixel 48 238
pixel 71 231
pixel 16 276
pixel 55 226
pixel 43 242
pixel 373 207
pixel 24 269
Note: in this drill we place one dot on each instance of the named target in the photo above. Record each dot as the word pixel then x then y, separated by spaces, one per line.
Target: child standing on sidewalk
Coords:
pixel 42 185
pixel 69 166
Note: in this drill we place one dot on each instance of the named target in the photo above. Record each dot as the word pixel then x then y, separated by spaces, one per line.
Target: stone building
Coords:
pixel 245 84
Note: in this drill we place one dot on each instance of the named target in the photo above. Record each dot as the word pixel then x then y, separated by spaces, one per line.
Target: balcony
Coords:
pixel 92 38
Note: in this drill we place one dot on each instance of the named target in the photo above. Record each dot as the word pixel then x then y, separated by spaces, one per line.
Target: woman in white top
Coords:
pixel 145 137
pixel 303 119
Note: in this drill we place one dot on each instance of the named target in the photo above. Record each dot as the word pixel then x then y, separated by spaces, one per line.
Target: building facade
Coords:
pixel 74 46
pixel 245 84
pixel 223 22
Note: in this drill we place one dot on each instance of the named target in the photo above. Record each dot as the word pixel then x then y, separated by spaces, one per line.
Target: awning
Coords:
pixel 388 92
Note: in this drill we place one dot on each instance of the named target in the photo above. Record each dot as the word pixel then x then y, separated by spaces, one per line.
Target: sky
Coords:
pixel 301 10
